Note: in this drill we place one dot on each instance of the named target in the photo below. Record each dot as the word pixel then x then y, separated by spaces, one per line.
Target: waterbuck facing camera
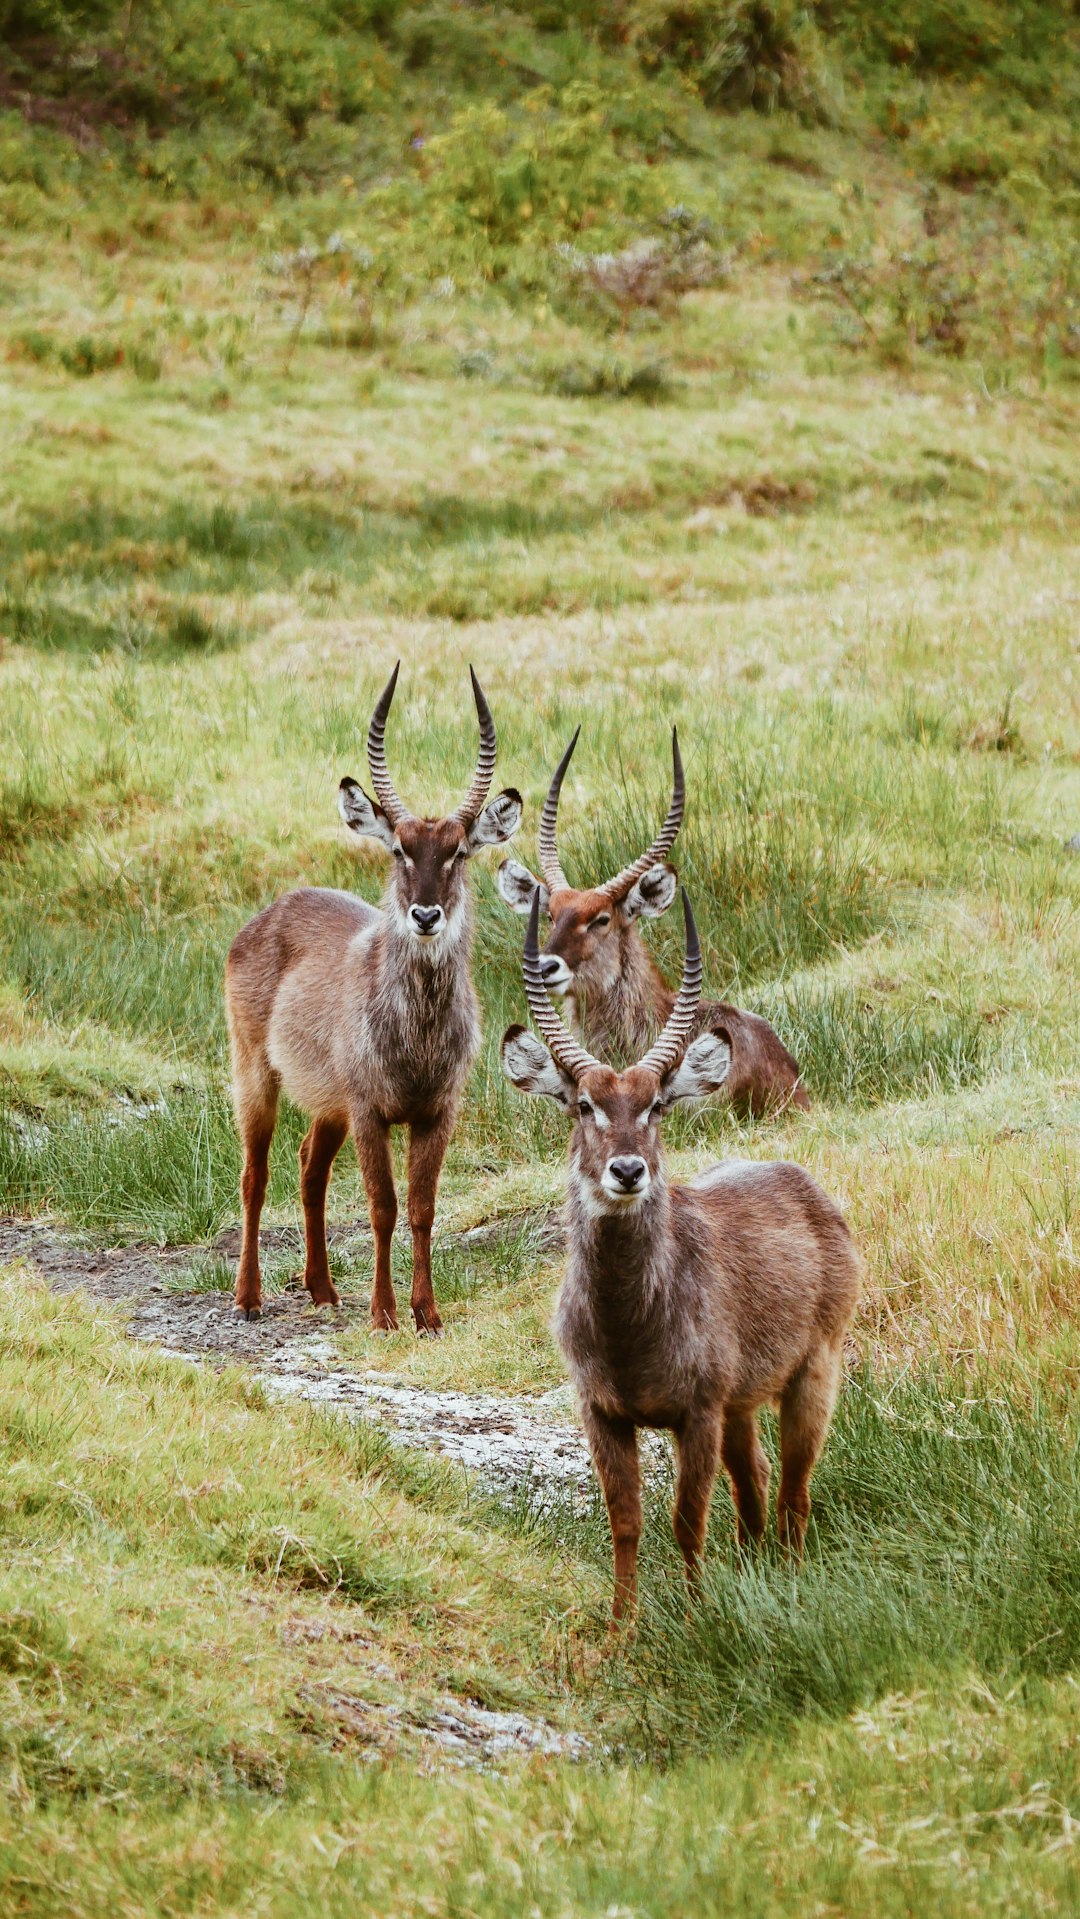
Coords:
pixel 685 1307
pixel 367 1019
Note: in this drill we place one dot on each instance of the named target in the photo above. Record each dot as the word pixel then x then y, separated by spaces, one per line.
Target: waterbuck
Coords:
pixel 686 1307
pixel 367 1019
pixel 596 959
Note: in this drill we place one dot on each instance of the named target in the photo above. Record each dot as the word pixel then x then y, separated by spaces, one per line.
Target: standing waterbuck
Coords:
pixel 596 959
pixel 686 1307
pixel 367 1019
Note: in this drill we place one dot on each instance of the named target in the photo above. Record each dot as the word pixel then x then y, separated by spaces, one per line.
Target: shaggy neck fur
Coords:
pixel 622 1016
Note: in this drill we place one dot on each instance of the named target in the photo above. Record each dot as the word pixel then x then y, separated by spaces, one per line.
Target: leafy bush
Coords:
pixel 20 19
pixel 741 53
pixel 494 194
pixel 950 36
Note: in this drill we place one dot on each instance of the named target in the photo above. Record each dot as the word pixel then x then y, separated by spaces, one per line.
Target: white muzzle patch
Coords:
pixel 556 975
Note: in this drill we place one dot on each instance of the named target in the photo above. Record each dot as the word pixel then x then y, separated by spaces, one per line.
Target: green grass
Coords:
pixel 822 512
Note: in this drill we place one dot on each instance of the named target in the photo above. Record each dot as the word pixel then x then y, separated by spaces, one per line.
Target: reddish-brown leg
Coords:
pixel 613 1444
pixel 256 1122
pixel 376 1165
pixel 698 1446
pixel 427 1149
pixel 317 1156
pixel 748 1469
pixel 806 1407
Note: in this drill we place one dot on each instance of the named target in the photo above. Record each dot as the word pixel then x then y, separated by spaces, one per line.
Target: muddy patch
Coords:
pixel 456 1732
pixel 531 1441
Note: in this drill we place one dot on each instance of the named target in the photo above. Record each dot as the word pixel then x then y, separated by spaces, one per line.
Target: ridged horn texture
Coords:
pixel 675 1037
pixel 469 809
pixel 394 808
pixel 618 888
pixel 549 823
pixel 561 1044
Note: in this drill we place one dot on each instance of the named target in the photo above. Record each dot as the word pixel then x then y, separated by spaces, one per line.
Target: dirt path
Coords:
pixel 531 1441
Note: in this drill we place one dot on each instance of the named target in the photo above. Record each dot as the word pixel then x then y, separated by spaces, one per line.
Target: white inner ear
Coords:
pixel 516 886
pixel 703 1069
pixel 652 894
pixel 499 821
pixel 529 1066
pixel 362 816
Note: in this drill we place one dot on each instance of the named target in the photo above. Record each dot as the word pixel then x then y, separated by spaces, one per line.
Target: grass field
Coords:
pixel 822 510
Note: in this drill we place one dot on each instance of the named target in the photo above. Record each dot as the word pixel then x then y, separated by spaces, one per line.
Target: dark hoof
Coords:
pixel 427 1328
pixel 247 1312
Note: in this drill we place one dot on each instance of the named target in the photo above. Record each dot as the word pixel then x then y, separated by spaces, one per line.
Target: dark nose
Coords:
pixel 425 918
pixel 628 1172
pixel 548 967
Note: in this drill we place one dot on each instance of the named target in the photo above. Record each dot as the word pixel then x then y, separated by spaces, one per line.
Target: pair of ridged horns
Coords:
pixel 562 1045
pixel 392 806
pixel 614 889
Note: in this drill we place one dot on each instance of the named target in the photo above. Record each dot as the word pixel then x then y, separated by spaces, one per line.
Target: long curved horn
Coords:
pixel 395 809
pixel 673 1040
pixel 561 1044
pixel 549 820
pixel 469 809
pixel 618 888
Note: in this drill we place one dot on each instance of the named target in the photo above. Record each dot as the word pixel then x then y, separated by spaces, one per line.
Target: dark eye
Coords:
pixel 602 919
pixel 584 1109
pixel 656 1109
pixel 398 854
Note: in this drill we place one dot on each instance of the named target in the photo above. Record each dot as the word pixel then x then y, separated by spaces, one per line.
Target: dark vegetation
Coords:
pixel 403 144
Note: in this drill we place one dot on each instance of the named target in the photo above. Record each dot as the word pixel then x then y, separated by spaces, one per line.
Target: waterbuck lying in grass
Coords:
pixel 686 1307
pixel 367 1020
pixel 595 957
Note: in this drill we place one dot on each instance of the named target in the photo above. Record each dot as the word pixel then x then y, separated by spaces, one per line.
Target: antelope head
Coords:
pixel 584 952
pixel 615 1151
pixel 427 893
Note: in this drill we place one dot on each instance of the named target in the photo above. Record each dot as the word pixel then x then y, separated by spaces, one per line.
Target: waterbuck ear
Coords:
pixel 529 1066
pixel 499 821
pixel 652 894
pixel 361 815
pixel 702 1070
pixel 517 886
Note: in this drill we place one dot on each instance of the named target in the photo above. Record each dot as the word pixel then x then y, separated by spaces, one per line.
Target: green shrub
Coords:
pixel 21 19
pixel 741 53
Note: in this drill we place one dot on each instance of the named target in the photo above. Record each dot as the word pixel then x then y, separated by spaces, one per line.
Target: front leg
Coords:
pixel 372 1138
pixel 698 1444
pixel 427 1149
pixel 613 1445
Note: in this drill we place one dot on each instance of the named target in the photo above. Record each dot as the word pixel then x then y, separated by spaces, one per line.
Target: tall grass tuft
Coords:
pixel 944 1539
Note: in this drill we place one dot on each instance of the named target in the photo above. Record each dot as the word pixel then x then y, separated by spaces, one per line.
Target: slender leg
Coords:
pixel 613 1444
pixel 805 1411
pixel 427 1149
pixel 698 1445
pixel 256 1118
pixel 748 1469
pixel 317 1156
pixel 373 1152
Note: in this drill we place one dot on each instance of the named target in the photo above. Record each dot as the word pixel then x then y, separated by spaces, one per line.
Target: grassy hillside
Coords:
pixel 716 362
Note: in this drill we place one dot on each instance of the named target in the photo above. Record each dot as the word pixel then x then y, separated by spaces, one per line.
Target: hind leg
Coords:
pixel 256 1117
pixel 317 1156
pixel 806 1408
pixel 748 1470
